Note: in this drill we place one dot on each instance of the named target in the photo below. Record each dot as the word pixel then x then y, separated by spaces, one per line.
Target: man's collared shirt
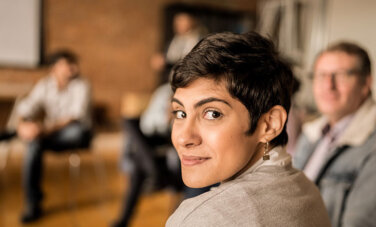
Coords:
pixel 325 147
pixel 72 102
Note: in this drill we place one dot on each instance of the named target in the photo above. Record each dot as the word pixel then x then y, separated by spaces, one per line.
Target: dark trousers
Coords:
pixel 7 135
pixel 141 162
pixel 73 136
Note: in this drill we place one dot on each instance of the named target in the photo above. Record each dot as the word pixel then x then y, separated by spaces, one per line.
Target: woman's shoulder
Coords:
pixel 281 182
pixel 290 196
pixel 222 206
pixel 242 202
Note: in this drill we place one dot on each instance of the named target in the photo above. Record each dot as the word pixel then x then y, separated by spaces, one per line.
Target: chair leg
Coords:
pixel 100 171
pixel 74 174
pixel 4 154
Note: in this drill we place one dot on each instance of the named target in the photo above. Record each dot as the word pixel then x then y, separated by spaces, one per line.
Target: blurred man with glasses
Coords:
pixel 338 150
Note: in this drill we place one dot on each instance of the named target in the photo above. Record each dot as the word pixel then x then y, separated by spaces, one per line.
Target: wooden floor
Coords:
pixel 91 198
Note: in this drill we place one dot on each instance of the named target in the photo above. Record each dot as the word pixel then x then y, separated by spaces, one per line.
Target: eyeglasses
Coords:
pixel 341 76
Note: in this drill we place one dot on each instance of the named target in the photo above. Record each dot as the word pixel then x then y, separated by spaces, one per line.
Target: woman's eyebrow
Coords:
pixel 177 101
pixel 202 102
pixel 211 99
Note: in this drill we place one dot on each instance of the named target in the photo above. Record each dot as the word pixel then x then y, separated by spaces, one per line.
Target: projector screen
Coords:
pixel 20 33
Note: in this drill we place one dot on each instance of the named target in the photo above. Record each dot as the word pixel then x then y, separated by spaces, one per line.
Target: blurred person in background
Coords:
pixel 64 99
pixel 147 168
pixel 187 32
pixel 338 150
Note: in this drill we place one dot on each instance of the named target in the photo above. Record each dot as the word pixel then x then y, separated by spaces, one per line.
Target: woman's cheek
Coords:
pixel 215 137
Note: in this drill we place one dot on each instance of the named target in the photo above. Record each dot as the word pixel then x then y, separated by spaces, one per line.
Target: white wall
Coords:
pixel 354 20
pixel 20 32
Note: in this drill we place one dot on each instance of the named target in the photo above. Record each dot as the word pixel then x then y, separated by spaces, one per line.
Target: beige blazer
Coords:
pixel 269 195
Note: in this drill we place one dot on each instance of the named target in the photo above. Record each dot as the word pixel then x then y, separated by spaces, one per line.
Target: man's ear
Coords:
pixel 273 122
pixel 367 85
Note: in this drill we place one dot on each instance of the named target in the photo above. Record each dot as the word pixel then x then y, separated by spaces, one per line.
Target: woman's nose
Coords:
pixel 187 134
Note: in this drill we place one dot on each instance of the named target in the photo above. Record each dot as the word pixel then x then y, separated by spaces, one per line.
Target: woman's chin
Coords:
pixel 195 183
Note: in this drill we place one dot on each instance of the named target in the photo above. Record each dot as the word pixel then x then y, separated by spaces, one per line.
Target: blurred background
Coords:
pixel 115 41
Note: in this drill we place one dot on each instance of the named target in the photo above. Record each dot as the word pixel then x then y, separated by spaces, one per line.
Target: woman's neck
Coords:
pixel 257 155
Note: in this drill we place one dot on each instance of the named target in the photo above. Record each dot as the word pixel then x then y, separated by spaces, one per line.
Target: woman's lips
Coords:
pixel 188 160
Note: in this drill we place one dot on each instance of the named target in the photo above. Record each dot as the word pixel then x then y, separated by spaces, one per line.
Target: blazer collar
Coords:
pixel 355 134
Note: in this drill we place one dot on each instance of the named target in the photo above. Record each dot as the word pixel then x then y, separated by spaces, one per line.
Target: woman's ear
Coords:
pixel 273 122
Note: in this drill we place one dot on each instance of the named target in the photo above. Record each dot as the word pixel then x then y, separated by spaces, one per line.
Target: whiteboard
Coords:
pixel 20 33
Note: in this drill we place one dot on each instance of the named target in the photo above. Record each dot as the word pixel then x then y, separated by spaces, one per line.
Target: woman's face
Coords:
pixel 209 133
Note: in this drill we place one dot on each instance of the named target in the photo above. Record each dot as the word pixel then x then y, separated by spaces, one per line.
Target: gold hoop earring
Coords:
pixel 266 156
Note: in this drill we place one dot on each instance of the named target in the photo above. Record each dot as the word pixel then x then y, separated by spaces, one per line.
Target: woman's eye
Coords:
pixel 179 114
pixel 212 114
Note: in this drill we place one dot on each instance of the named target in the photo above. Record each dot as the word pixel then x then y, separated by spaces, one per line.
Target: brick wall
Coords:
pixel 114 39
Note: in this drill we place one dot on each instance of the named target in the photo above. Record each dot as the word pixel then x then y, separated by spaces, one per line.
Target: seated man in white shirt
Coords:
pixel 64 98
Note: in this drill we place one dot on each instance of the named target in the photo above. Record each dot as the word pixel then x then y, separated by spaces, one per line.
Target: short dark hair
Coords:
pixel 69 56
pixel 250 65
pixel 355 50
